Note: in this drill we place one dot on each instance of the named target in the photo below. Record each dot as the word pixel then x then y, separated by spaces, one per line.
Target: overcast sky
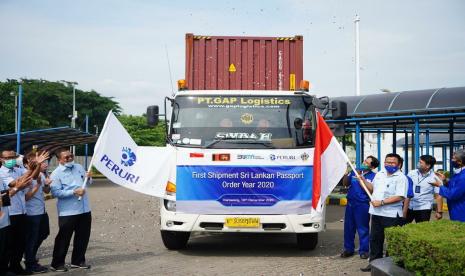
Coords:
pixel 117 47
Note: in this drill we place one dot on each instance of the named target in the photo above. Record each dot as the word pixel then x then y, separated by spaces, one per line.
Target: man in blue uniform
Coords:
pixel 73 212
pixel 454 190
pixel 356 216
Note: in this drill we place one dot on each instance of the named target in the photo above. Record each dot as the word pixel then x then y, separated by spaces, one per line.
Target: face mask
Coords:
pixel 420 168
pixel 19 161
pixel 455 165
pixel 10 163
pixel 364 167
pixel 69 165
pixel 391 169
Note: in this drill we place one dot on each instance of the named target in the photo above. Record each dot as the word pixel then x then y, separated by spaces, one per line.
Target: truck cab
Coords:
pixel 244 163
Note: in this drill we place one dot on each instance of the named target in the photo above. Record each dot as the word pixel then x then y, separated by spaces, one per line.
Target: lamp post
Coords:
pixel 18 125
pixel 357 56
pixel 14 94
pixel 74 115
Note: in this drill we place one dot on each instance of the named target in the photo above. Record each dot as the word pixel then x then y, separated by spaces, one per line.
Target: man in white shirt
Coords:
pixel 424 194
pixel 389 188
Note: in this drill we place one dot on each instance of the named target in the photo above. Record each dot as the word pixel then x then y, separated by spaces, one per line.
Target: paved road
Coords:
pixel 125 240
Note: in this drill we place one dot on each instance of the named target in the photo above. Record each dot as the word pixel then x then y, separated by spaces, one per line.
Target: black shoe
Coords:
pixel 346 254
pixel 60 268
pixel 21 271
pixel 366 269
pixel 39 269
pixel 82 265
pixel 364 255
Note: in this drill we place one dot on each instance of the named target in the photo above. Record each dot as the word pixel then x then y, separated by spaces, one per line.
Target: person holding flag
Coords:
pixel 389 191
pixel 74 214
pixel 356 216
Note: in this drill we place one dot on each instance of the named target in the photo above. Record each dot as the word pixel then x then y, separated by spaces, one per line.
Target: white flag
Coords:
pixel 142 169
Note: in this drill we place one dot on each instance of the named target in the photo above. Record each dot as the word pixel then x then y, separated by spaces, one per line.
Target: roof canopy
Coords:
pixel 407 102
pixel 419 102
pixel 49 139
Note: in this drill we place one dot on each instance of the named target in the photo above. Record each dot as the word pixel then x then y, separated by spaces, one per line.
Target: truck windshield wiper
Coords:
pixel 267 144
pixel 214 142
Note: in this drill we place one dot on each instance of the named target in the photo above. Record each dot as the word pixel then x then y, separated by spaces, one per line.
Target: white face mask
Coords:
pixel 458 170
pixel 69 164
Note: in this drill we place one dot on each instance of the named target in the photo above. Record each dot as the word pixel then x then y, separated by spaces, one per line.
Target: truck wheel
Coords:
pixel 307 241
pixel 174 240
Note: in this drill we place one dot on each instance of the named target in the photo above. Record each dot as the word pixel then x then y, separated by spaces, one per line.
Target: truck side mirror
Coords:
pixel 338 110
pixel 152 115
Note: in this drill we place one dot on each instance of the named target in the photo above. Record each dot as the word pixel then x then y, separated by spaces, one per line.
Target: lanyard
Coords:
pixel 418 177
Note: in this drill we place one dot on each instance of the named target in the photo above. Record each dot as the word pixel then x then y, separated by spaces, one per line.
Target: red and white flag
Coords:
pixel 329 164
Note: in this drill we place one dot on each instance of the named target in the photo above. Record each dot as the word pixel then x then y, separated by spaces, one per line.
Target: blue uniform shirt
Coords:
pixel 18 201
pixel 5 219
pixel 455 194
pixel 64 182
pixel 36 204
pixel 410 187
pixel 356 193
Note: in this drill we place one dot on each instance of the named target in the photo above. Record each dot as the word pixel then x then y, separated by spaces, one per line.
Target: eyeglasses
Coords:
pixel 68 157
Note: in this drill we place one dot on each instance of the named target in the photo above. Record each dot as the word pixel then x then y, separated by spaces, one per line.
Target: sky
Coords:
pixel 119 48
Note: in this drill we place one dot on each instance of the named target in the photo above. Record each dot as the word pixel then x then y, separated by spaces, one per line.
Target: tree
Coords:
pixel 49 104
pixel 142 134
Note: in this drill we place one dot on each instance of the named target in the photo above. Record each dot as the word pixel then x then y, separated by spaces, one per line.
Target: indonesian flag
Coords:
pixel 329 164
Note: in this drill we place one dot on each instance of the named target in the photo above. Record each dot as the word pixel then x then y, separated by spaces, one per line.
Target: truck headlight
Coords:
pixel 170 205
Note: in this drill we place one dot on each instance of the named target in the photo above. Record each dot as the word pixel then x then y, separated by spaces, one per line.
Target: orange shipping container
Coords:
pixel 243 63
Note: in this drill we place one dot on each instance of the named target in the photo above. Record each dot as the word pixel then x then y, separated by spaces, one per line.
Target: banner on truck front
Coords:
pixel 256 181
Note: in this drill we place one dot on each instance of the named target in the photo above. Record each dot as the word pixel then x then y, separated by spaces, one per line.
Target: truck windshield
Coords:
pixel 237 121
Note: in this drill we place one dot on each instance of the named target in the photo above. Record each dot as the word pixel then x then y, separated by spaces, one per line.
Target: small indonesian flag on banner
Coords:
pixel 329 164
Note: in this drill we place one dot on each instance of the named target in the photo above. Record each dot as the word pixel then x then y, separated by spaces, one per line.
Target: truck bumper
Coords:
pixel 303 223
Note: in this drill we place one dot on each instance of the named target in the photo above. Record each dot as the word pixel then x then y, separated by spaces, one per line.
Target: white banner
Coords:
pixel 142 169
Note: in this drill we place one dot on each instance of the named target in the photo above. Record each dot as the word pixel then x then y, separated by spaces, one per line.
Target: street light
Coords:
pixel 74 116
pixel 15 94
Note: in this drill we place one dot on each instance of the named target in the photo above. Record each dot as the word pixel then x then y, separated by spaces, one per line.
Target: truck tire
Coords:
pixel 307 241
pixel 174 240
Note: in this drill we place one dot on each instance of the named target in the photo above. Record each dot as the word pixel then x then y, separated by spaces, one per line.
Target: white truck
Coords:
pixel 244 163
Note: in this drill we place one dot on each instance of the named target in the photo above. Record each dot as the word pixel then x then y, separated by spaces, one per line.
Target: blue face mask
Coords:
pixel 69 165
pixel 10 163
pixel 455 165
pixel 363 167
pixel 391 169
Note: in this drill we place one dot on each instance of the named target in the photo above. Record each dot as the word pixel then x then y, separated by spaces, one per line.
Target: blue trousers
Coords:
pixel 357 219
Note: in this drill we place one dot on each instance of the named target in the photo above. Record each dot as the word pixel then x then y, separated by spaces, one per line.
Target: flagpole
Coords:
pixel 360 180
pixel 89 169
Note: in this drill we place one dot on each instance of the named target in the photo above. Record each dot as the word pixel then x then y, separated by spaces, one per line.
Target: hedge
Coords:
pixel 429 248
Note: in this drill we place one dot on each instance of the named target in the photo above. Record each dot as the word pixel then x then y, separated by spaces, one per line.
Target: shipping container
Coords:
pixel 243 63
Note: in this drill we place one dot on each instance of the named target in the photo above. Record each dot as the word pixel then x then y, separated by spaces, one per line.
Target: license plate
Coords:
pixel 241 222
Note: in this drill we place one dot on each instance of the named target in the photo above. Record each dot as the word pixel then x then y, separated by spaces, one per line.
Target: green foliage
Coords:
pixel 429 248
pixel 49 104
pixel 142 134
pixel 349 140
